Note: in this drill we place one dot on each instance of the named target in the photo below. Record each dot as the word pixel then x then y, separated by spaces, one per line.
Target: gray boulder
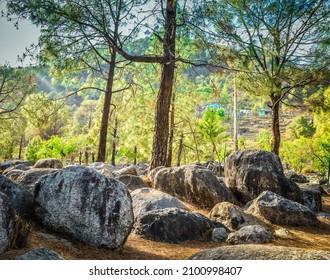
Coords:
pixel 128 170
pixel 13 174
pixel 12 163
pixel 250 234
pixel 89 206
pixel 219 234
pixel 20 166
pixel 259 252
pixel 312 199
pixel 20 198
pixel 7 218
pixel 147 199
pixel 250 172
pixel 281 211
pixel 48 163
pixel 297 178
pixel 28 178
pixel 232 216
pixel 193 183
pixel 132 182
pixel 172 225
pixel 40 254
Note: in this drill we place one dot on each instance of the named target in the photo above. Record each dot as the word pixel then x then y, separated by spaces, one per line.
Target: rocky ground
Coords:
pixel 99 212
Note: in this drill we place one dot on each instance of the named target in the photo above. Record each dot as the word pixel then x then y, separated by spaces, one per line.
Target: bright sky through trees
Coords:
pixel 13 42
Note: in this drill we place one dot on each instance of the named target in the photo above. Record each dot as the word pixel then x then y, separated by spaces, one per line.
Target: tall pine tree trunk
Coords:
pixel 161 130
pixel 275 133
pixel 101 155
pixel 171 136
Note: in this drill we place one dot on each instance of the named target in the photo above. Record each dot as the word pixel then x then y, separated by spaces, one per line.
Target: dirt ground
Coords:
pixel 137 248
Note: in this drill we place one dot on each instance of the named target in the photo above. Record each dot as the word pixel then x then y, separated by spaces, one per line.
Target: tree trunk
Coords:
pixel 114 143
pixel 161 130
pixel 276 133
pixel 106 110
pixel 171 136
pixel 178 162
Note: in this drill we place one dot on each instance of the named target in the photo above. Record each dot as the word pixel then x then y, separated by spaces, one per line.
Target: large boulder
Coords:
pixel 148 199
pixel 259 252
pixel 172 225
pixel 13 174
pixel 132 182
pixel 28 178
pixel 20 198
pixel 193 183
pixel 87 205
pixel 232 216
pixel 40 254
pixel 7 164
pixel 7 219
pixel 48 163
pixel 250 234
pixel 250 172
pixel 281 211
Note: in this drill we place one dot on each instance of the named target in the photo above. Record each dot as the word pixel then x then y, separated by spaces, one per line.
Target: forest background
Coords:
pixel 153 81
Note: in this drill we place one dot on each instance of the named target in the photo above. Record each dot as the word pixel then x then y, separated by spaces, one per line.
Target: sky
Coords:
pixel 12 41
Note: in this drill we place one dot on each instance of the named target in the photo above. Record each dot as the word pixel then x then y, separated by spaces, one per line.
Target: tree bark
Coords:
pixel 161 130
pixel 180 149
pixel 101 155
pixel 114 143
pixel 171 136
pixel 276 133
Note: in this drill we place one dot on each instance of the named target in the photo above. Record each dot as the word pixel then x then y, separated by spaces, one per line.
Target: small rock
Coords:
pixel 48 163
pixel 132 182
pixel 40 254
pixel 283 232
pixel 250 234
pixel 312 199
pixel 297 178
pixel 219 235
pixel 232 216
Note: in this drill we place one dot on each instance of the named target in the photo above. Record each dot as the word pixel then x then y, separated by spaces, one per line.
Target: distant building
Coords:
pixel 264 112
pixel 245 113
pixel 200 110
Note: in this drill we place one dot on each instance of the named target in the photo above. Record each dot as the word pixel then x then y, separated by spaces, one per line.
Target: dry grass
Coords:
pixel 137 248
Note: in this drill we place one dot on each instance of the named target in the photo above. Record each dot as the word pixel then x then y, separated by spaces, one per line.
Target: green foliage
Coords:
pixel 263 140
pixel 300 127
pixel 32 150
pixel 298 153
pixel 55 147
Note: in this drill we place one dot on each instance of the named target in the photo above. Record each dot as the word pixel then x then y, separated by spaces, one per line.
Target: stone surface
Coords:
pixel 324 216
pixel 283 232
pixel 7 217
pixel 7 164
pixel 323 181
pixel 20 198
pixel 232 216
pixel 193 183
pixel 132 182
pixel 128 170
pixel 87 205
pixel 20 166
pixel 13 174
pixel 250 234
pixel 219 235
pixel 281 211
pixel 48 163
pixel 40 254
pixel 312 199
pixel 101 167
pixel 297 178
pixel 259 252
pixel 28 178
pixel 148 199
pixel 172 225
pixel 315 187
pixel 250 172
